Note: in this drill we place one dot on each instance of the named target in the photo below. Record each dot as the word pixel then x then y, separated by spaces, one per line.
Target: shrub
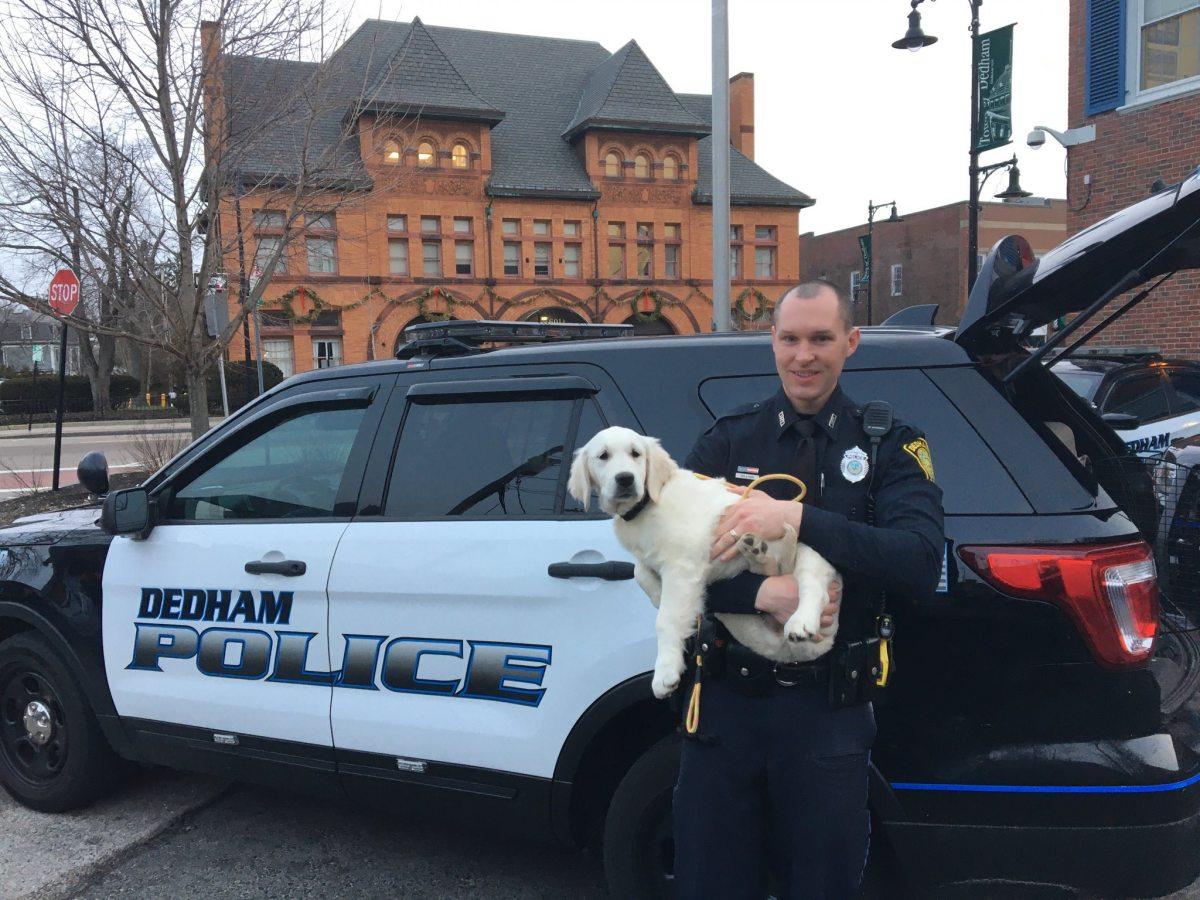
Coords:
pixel 235 384
pixel 122 389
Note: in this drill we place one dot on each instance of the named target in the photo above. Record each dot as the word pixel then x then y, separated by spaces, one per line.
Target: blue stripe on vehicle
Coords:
pixel 1047 788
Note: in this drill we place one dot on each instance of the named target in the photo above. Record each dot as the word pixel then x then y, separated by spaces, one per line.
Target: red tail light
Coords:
pixel 1110 591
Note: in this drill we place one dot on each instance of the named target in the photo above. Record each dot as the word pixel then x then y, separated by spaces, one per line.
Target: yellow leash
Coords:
pixel 691 721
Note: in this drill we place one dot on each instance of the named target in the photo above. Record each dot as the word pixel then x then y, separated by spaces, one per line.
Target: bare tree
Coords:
pixel 109 163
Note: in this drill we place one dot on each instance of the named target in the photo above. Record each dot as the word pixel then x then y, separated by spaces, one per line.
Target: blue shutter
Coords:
pixel 1104 66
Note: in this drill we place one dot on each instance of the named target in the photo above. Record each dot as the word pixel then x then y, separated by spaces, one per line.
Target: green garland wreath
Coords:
pixel 761 310
pixel 655 314
pixel 318 303
pixel 422 301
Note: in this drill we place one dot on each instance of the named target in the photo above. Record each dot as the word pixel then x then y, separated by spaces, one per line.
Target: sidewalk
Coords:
pixel 104 428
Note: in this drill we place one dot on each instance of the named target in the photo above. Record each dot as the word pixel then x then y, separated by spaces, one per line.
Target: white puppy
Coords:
pixel 670 538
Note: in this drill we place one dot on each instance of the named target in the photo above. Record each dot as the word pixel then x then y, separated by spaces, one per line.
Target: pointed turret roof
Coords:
pixel 627 92
pixel 419 79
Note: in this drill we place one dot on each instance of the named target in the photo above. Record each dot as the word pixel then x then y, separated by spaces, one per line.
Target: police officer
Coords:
pixel 778 778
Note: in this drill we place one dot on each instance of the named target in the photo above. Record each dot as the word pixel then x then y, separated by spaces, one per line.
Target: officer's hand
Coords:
pixel 779 595
pixel 758 514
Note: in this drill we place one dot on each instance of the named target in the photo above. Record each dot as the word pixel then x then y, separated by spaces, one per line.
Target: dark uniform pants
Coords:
pixel 784 787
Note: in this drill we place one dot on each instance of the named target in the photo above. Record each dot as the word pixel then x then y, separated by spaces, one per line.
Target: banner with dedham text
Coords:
pixel 864 247
pixel 993 58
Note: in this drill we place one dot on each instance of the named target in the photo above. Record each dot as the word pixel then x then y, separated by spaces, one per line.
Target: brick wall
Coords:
pixel 1132 148
pixel 931 247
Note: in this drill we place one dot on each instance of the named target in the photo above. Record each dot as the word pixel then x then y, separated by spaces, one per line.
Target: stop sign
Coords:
pixel 64 292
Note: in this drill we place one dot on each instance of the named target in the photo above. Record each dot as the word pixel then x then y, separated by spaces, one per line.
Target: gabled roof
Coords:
pixel 538 84
pixel 419 80
pixel 749 183
pixel 627 92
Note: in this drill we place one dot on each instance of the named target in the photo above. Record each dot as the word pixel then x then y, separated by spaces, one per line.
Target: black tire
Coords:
pixel 66 763
pixel 638 848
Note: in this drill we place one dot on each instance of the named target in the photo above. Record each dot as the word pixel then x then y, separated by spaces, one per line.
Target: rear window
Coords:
pixel 971 478
pixel 1082 383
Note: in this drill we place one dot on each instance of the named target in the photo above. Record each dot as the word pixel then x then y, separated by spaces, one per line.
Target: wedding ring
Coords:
pixel 733 534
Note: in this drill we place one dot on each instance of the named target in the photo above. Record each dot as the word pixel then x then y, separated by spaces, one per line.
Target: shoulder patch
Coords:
pixel 919 450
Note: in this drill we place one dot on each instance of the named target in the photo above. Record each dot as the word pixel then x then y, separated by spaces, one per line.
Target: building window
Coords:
pixel 431 258
pixel 327 353
pixel 511 226
pixel 265 250
pixel 616 230
pixel 764 262
pixel 398 256
pixel 897 280
pixel 27 332
pixel 328 318
pixel 269 220
pixel 431 225
pixel 612 164
pixel 616 260
pixel 512 258
pixel 735 251
pixel 645 231
pixel 645 260
pixel 322 255
pixel 571 229
pixel 641 166
pixel 541 226
pixel 1168 42
pixel 464 257
pixel 426 155
pixel 572 260
pixel 671 261
pixel 460 156
pixel 278 352
pixel 392 154
pixel 670 168
pixel 462 225
pixel 541 260
pixel 397 223
pixel 764 256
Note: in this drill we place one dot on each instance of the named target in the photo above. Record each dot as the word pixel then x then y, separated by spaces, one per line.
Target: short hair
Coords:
pixel 808 289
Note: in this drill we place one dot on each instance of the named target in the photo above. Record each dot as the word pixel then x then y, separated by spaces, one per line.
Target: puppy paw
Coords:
pixel 803 626
pixel 756 552
pixel 664 684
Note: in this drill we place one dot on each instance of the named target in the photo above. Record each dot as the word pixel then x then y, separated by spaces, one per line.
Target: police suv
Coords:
pixel 1151 401
pixel 371 583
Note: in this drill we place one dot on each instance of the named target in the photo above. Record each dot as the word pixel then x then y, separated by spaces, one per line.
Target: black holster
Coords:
pixel 854 668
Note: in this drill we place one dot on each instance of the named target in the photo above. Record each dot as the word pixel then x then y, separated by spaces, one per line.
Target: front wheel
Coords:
pixel 53 756
pixel 639 850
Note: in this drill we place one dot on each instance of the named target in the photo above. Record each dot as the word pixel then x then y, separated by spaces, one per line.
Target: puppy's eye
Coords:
pixel 604 455
pixel 634 454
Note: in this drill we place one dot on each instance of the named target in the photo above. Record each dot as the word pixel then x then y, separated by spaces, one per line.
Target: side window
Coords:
pixel 484 458
pixel 589 423
pixel 291 470
pixel 1187 391
pixel 1144 396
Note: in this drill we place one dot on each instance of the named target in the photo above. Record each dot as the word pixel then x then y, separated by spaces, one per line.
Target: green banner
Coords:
pixel 864 247
pixel 993 58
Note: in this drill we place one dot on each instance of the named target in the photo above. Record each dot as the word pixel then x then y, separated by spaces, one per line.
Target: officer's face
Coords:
pixel 811 343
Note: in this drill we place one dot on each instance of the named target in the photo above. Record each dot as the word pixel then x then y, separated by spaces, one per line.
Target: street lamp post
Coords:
pixel 872 208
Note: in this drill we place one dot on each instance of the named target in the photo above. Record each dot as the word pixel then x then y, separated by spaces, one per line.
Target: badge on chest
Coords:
pixel 854 465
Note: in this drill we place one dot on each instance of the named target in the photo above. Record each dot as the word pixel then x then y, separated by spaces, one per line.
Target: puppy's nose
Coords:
pixel 625 479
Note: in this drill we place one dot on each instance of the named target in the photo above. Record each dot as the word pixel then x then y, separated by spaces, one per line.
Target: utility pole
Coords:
pixel 973 202
pixel 720 165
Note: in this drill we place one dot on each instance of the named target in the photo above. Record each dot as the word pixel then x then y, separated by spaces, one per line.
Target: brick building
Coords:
pixel 1135 76
pixel 923 259
pixel 499 176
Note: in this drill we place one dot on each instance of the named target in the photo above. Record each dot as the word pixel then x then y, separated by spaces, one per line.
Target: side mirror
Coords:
pixel 1121 421
pixel 127 512
pixel 93 473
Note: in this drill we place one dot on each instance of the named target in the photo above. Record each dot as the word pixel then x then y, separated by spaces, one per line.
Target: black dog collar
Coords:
pixel 637 509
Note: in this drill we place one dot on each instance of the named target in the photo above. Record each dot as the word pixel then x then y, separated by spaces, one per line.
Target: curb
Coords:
pixel 73 883
pixel 82 434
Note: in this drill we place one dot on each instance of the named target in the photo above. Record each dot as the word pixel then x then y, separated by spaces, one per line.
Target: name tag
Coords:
pixel 746 473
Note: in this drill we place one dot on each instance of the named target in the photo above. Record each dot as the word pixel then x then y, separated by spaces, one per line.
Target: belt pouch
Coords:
pixel 746 672
pixel 849 668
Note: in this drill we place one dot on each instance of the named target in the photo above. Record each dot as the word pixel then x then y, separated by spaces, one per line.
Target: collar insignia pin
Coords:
pixel 782 419
pixel 854 465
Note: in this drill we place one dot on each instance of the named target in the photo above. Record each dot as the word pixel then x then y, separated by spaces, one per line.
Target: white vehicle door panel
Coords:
pixel 210 670
pixel 482 588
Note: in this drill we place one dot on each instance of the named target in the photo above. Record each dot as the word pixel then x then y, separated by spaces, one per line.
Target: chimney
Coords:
pixel 741 113
pixel 215 113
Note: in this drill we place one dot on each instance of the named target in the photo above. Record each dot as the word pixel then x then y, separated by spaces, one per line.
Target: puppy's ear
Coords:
pixel 579 485
pixel 659 468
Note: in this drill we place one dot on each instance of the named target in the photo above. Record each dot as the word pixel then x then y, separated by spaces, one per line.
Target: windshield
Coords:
pixel 1082 383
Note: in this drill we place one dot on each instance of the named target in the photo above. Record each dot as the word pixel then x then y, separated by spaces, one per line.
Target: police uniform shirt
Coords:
pixel 900 554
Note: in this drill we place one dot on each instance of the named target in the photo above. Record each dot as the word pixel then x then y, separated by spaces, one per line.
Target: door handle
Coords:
pixel 609 571
pixel 288 567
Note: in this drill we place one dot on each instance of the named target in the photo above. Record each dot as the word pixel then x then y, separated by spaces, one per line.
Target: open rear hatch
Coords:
pixel 1016 293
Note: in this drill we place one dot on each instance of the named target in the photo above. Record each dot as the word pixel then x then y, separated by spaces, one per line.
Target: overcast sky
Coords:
pixel 839 114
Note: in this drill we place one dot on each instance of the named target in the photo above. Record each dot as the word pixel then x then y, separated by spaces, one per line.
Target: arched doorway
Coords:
pixel 652 326
pixel 415 320
pixel 556 315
